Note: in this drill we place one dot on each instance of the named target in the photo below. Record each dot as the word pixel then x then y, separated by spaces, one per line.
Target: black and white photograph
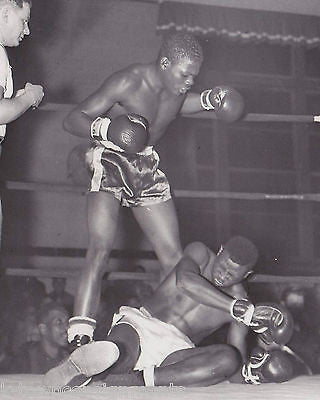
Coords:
pixel 159 199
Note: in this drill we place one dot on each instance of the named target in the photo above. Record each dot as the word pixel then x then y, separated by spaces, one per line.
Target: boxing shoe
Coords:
pixel 78 369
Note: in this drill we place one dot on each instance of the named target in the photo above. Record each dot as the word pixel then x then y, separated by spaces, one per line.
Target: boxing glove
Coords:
pixel 242 310
pixel 272 322
pixel 267 367
pixel 129 132
pixel 226 102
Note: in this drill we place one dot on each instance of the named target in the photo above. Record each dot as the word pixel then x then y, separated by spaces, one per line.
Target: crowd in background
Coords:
pixel 33 336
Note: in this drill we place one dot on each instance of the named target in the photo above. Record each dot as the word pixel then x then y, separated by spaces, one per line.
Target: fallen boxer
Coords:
pixel 157 342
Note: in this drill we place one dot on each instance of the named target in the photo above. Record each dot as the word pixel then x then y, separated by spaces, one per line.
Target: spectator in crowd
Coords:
pixel 26 329
pixel 38 357
pixel 60 295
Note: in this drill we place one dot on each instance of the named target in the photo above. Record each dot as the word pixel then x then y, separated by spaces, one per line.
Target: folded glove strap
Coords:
pixel 148 376
pixel 246 317
pixel 247 372
pixel 205 100
pixel 248 376
pixel 99 128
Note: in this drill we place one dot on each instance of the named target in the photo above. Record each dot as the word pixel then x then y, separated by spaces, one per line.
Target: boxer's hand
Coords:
pixel 35 92
pixel 226 102
pixel 129 132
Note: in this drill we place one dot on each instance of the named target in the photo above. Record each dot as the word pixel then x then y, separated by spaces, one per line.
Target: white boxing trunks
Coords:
pixel 157 339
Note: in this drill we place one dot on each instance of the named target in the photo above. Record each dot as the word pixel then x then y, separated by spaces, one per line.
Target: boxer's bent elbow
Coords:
pixel 184 280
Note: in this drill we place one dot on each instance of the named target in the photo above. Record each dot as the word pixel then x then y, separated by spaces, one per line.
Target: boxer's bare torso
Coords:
pixel 197 321
pixel 140 89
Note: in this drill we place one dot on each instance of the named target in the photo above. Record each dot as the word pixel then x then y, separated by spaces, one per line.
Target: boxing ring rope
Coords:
pixel 124 275
pixel 152 277
pixel 179 193
pixel 250 117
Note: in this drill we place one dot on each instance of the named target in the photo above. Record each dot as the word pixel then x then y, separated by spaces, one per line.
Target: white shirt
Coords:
pixel 5 81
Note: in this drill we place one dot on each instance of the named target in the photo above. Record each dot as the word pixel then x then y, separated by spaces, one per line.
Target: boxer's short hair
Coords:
pixel 242 251
pixel 181 45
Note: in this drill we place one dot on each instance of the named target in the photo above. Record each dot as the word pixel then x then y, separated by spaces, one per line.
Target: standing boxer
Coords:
pixel 126 117
pixel 156 342
pixel 14 19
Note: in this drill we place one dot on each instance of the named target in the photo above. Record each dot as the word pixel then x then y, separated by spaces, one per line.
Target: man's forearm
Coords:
pixel 11 109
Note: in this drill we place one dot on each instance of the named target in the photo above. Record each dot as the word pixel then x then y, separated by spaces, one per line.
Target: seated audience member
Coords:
pixel 60 295
pixel 26 329
pixel 51 349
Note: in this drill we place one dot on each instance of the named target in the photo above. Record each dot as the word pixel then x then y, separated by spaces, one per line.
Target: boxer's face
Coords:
pixel 14 24
pixel 178 77
pixel 225 272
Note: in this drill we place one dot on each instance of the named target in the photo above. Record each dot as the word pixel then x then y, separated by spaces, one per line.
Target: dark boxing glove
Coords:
pixel 226 102
pixel 267 367
pixel 129 132
pixel 273 323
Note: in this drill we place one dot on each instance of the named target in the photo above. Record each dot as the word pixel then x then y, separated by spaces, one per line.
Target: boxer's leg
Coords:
pixel 103 210
pixel 199 366
pixel 128 342
pixel 111 361
pixel 160 224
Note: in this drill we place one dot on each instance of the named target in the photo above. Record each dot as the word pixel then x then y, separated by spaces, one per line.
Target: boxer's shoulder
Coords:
pixel 198 252
pixel 127 78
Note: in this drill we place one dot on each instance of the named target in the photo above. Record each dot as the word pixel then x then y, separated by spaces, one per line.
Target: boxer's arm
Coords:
pixel 237 337
pixel 237 334
pixel 191 104
pixel 114 90
pixel 189 279
pixel 226 102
